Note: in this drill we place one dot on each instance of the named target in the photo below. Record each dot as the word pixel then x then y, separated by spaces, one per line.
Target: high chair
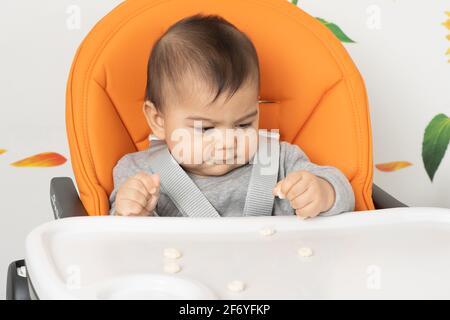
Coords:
pixel 311 91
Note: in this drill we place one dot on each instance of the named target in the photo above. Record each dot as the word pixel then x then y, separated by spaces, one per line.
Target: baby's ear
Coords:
pixel 154 119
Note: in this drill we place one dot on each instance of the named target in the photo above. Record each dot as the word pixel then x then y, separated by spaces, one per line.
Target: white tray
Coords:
pixel 392 253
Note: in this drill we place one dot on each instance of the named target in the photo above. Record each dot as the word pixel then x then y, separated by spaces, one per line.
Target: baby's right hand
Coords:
pixel 138 195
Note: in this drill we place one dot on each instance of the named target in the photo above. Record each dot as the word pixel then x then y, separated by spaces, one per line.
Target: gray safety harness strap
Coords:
pixel 180 188
pixel 191 202
pixel 259 200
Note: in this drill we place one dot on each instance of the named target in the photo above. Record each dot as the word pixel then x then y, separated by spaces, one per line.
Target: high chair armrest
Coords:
pixel 383 200
pixel 17 282
pixel 64 199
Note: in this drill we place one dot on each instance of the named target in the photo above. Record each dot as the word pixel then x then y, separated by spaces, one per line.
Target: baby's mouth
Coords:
pixel 229 155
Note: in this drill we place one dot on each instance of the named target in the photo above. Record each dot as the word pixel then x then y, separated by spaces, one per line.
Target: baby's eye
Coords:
pixel 244 125
pixel 203 128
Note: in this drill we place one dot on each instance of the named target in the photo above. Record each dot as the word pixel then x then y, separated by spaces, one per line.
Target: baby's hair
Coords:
pixel 201 47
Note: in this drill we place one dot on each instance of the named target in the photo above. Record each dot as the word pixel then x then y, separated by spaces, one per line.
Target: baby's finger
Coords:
pixel 300 187
pixel 126 207
pixel 276 191
pixel 302 200
pixel 156 183
pixel 308 211
pixel 151 204
pixel 147 181
pixel 290 180
pixel 138 184
pixel 136 195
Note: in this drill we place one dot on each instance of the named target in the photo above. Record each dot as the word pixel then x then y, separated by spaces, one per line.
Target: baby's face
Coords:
pixel 213 140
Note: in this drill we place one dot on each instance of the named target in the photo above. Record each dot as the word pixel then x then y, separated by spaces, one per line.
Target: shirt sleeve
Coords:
pixel 295 159
pixel 121 172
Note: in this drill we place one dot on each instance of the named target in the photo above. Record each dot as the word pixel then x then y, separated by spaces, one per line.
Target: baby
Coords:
pixel 203 78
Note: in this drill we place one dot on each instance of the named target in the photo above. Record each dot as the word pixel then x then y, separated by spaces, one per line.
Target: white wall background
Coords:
pixel 36 51
pixel 403 62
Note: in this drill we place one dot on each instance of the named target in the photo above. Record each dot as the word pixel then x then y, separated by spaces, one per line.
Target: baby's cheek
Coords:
pixel 186 145
pixel 206 150
pixel 251 145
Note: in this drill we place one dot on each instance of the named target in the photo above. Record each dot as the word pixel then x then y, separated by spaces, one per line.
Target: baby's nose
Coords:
pixel 225 139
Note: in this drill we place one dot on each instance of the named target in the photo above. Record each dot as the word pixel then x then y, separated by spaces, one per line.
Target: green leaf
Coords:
pixel 336 30
pixel 435 142
pixel 294 2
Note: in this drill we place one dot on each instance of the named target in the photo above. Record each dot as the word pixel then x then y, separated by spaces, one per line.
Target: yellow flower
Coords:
pixel 447 25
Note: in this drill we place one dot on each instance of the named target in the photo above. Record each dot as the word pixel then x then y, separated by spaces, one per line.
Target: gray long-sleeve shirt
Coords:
pixel 227 193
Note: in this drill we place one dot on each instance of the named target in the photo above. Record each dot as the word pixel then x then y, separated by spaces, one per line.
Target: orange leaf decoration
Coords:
pixel 45 159
pixel 2 151
pixel 393 166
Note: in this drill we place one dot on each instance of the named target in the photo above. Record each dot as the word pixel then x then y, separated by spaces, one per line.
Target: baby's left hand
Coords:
pixel 308 194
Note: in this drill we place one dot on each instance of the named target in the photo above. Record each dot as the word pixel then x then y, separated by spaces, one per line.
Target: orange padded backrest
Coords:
pixel 321 102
